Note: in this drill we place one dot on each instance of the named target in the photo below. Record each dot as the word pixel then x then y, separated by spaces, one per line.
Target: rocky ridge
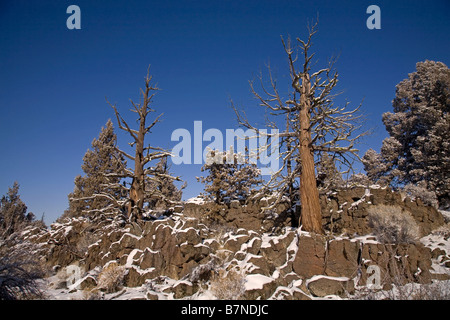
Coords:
pixel 243 252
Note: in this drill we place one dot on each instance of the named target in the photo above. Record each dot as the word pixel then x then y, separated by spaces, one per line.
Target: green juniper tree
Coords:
pixel 13 212
pixel 417 150
pixel 97 191
pixel 230 176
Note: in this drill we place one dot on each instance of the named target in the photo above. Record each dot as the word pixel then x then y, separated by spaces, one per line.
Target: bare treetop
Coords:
pixel 144 155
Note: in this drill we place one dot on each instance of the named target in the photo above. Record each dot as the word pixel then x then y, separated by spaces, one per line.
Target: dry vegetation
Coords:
pixel 228 285
pixel 111 278
pixel 391 224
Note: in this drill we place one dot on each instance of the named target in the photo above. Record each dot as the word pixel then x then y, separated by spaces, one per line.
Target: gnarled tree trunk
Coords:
pixel 311 217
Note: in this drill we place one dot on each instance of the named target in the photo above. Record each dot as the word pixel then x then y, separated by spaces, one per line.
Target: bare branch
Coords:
pixel 122 123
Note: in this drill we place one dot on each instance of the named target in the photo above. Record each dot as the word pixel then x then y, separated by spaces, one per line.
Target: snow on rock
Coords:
pixel 161 255
pixel 196 200
pixel 439 243
pixel 365 239
pixel 317 277
pixel 363 199
pixel 256 281
pixel 130 258
pixel 446 214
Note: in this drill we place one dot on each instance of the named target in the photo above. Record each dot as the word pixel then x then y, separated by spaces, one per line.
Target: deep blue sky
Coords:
pixel 53 81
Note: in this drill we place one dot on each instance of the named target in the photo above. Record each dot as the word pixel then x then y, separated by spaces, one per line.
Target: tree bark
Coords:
pixel 311 217
pixel 316 126
pixel 137 189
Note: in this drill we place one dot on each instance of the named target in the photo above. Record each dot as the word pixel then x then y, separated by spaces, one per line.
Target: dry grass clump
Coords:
pixel 92 295
pixel 391 224
pixel 20 270
pixel 228 285
pixel 439 290
pixel 111 278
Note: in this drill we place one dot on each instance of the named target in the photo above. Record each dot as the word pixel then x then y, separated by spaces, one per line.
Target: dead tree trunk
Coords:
pixel 311 217
pixel 142 155
pixel 314 126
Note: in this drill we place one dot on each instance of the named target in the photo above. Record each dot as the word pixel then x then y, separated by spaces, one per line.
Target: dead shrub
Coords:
pixel 228 285
pixel 439 290
pixel 391 224
pixel 111 278
pixel 20 271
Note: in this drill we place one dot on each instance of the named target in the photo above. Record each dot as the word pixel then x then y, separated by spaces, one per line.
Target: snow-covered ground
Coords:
pixel 162 289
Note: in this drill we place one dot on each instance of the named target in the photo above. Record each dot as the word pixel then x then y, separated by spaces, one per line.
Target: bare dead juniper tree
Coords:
pixel 312 125
pixel 143 157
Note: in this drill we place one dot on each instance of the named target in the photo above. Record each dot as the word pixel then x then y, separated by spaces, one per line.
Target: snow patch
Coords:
pixel 256 281
pixel 196 200
pixel 317 277
pixel 130 258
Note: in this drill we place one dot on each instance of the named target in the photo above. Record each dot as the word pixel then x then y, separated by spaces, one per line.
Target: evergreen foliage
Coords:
pixel 418 147
pixel 98 164
pixel 231 176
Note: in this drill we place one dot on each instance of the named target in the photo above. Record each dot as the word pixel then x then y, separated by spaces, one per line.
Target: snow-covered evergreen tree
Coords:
pixel 162 192
pixel 19 260
pixel 95 190
pixel 13 213
pixel 328 175
pixel 418 146
pixel 231 176
pixel 375 167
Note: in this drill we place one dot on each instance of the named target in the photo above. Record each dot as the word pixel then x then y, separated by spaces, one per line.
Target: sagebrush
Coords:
pixel 111 278
pixel 391 224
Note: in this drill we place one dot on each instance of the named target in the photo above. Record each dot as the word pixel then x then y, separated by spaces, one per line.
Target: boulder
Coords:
pixel 437 252
pixel 300 295
pixel 325 286
pixel 427 217
pixel 183 289
pixel 401 263
pixel 342 258
pixel 88 283
pixel 345 211
pixel 284 293
pixel 178 209
pixel 276 250
pixel 151 296
pixel 136 276
pixel 234 243
pixel 254 244
pixel 262 266
pixel 310 257
pixel 258 286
